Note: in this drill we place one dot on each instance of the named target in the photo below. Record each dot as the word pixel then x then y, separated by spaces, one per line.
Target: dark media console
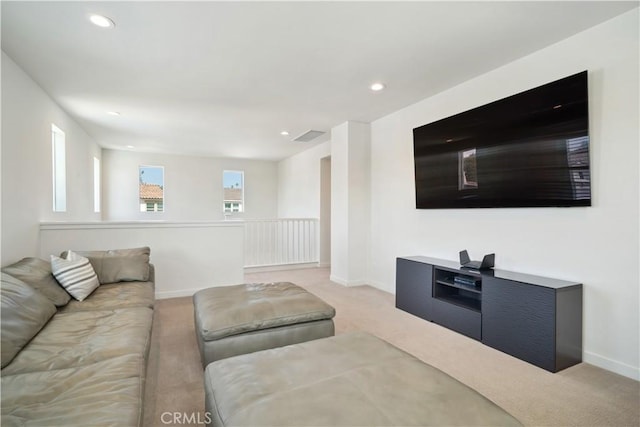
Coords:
pixel 536 319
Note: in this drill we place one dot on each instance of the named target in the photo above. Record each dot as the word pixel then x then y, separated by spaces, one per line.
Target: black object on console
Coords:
pixel 487 262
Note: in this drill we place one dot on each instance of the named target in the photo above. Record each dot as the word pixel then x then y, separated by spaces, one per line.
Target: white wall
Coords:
pixel 193 187
pixel 299 183
pixel 187 256
pixel 27 115
pixel 302 193
pixel 597 246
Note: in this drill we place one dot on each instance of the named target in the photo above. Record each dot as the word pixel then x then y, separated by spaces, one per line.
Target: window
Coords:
pixel 151 182
pixel 233 187
pixel 578 163
pixel 467 170
pixel 59 170
pixel 96 184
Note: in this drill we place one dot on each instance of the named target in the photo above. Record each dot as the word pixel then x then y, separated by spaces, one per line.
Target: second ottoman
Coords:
pixel 239 319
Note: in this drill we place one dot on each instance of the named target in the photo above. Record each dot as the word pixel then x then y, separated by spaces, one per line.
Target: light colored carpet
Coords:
pixel 582 395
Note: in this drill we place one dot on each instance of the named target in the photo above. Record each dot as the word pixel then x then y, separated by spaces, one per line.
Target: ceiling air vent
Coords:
pixel 308 135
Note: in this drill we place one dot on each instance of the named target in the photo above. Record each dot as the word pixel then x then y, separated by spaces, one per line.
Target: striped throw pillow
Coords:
pixel 75 274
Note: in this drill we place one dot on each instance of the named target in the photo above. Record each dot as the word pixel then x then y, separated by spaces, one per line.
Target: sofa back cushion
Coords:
pixel 23 313
pixel 119 265
pixel 36 273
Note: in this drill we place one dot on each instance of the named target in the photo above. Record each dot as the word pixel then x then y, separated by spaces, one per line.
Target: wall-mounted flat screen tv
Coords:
pixel 528 150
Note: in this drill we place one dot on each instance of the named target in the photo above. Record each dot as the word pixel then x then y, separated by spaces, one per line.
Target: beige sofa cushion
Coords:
pixel 119 265
pixel 36 273
pixel 106 393
pixel 111 296
pixel 24 312
pixel 80 338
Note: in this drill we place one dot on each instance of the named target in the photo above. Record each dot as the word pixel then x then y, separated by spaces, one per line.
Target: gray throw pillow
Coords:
pixel 36 273
pixel 119 265
pixel 23 313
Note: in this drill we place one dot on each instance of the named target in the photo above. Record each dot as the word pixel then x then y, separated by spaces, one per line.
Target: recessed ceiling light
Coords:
pixel 113 113
pixel 102 21
pixel 284 133
pixel 130 146
pixel 376 87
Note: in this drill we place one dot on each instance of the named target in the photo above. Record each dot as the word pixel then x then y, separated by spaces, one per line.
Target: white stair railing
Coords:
pixel 283 241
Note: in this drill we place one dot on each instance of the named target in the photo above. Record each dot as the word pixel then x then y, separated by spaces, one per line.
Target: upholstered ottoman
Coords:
pixel 351 379
pixel 233 320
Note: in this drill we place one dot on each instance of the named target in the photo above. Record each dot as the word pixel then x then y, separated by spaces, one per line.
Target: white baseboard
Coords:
pixel 381 286
pixel 338 280
pixel 178 293
pixel 620 368
pixel 189 292
pixel 324 264
pixel 344 282
pixel 264 268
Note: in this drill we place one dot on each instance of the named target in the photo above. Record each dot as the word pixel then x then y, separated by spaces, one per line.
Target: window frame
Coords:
pixel 156 204
pixel 233 203
pixel 97 182
pixel 59 169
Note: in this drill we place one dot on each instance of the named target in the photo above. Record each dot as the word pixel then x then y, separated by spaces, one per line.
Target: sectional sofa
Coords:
pixel 76 363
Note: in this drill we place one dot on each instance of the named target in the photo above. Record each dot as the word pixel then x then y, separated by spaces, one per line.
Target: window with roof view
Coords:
pixel 233 187
pixel 151 188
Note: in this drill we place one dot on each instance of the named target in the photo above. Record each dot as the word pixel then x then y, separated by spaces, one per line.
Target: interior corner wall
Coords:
pixel 193 188
pixel 597 246
pixel 325 212
pixel 350 160
pixel 299 183
pixel 340 203
pixel 27 188
pixel 359 201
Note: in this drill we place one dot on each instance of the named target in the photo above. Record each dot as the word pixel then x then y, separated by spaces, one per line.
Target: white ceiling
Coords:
pixel 224 78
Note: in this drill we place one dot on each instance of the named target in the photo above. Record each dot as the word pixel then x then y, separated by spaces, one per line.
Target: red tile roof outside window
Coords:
pixel 151 192
pixel 233 194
